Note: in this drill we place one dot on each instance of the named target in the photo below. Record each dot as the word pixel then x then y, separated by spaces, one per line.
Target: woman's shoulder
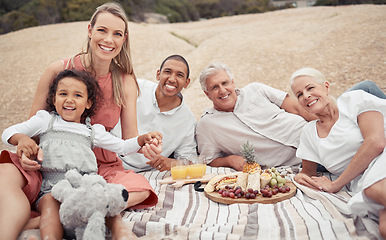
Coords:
pixel 129 77
pixel 129 81
pixel 358 101
pixel 357 96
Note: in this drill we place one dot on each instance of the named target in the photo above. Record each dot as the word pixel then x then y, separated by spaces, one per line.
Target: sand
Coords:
pixel 347 43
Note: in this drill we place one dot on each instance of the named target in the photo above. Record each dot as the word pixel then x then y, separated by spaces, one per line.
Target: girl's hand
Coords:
pixel 26 146
pixel 307 181
pixel 153 138
pixel 150 138
pixel 31 164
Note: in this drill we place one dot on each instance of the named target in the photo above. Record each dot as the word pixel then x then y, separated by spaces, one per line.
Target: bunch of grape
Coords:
pixel 277 179
pixel 237 192
pixel 269 192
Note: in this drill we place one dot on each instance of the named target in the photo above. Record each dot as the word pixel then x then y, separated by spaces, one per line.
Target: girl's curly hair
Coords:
pixel 93 90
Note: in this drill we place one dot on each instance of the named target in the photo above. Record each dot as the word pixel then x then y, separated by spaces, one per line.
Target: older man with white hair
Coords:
pixel 267 118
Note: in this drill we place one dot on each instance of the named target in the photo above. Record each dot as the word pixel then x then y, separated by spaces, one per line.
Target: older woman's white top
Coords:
pixel 337 149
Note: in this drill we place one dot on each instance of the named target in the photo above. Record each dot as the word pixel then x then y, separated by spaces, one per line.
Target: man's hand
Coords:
pixel 234 161
pixel 161 163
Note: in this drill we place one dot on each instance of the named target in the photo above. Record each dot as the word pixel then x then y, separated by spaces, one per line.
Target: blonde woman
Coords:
pixel 348 139
pixel 107 58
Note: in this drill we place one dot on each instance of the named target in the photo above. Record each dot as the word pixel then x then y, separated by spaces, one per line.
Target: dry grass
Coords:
pixel 347 43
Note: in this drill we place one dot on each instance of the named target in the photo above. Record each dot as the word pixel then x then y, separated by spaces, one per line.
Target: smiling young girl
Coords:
pixel 107 58
pixel 66 139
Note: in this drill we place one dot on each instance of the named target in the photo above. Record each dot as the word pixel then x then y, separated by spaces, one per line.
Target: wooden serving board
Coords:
pixel 215 196
pixel 181 182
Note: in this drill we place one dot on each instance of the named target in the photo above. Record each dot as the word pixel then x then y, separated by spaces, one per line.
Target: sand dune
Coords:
pixel 347 43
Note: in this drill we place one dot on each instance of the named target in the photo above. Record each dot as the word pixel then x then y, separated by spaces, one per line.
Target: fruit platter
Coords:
pixel 252 185
pixel 240 187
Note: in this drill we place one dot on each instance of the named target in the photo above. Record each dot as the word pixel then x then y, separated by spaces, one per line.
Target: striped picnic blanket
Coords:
pixel 183 213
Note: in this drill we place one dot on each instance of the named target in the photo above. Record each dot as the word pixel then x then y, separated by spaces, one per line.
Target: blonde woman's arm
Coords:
pixel 129 110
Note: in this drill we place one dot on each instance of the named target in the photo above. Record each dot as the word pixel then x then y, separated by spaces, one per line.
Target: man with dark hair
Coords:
pixel 160 107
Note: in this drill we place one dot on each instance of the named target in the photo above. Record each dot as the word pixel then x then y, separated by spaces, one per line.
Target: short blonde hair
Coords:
pixel 308 72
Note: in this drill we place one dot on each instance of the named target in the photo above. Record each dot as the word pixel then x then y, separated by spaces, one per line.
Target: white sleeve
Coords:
pixel 356 102
pixel 307 149
pixel 34 126
pixel 274 95
pixel 112 143
pixel 207 143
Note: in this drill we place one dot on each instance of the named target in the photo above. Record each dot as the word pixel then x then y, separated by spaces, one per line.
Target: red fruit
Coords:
pixel 250 190
pixel 232 195
pixel 287 188
pixel 252 196
pixel 220 191
pixel 269 194
pixel 274 191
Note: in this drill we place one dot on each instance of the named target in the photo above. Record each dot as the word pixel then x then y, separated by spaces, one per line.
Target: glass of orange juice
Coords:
pixel 179 169
pixel 198 168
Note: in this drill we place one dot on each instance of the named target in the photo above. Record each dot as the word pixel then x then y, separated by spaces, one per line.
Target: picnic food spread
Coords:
pixel 254 187
pixel 251 185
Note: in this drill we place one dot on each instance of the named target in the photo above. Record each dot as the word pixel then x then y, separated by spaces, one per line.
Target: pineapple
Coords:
pixel 248 153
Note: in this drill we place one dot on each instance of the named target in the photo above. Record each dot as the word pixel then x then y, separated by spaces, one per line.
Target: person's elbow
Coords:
pixel 377 143
pixel 381 145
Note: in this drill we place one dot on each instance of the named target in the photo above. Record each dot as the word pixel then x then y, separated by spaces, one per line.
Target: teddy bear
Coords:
pixel 85 202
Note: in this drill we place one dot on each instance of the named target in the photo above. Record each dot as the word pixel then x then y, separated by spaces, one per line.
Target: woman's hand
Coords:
pixel 305 176
pixel 31 164
pixel 326 184
pixel 306 180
